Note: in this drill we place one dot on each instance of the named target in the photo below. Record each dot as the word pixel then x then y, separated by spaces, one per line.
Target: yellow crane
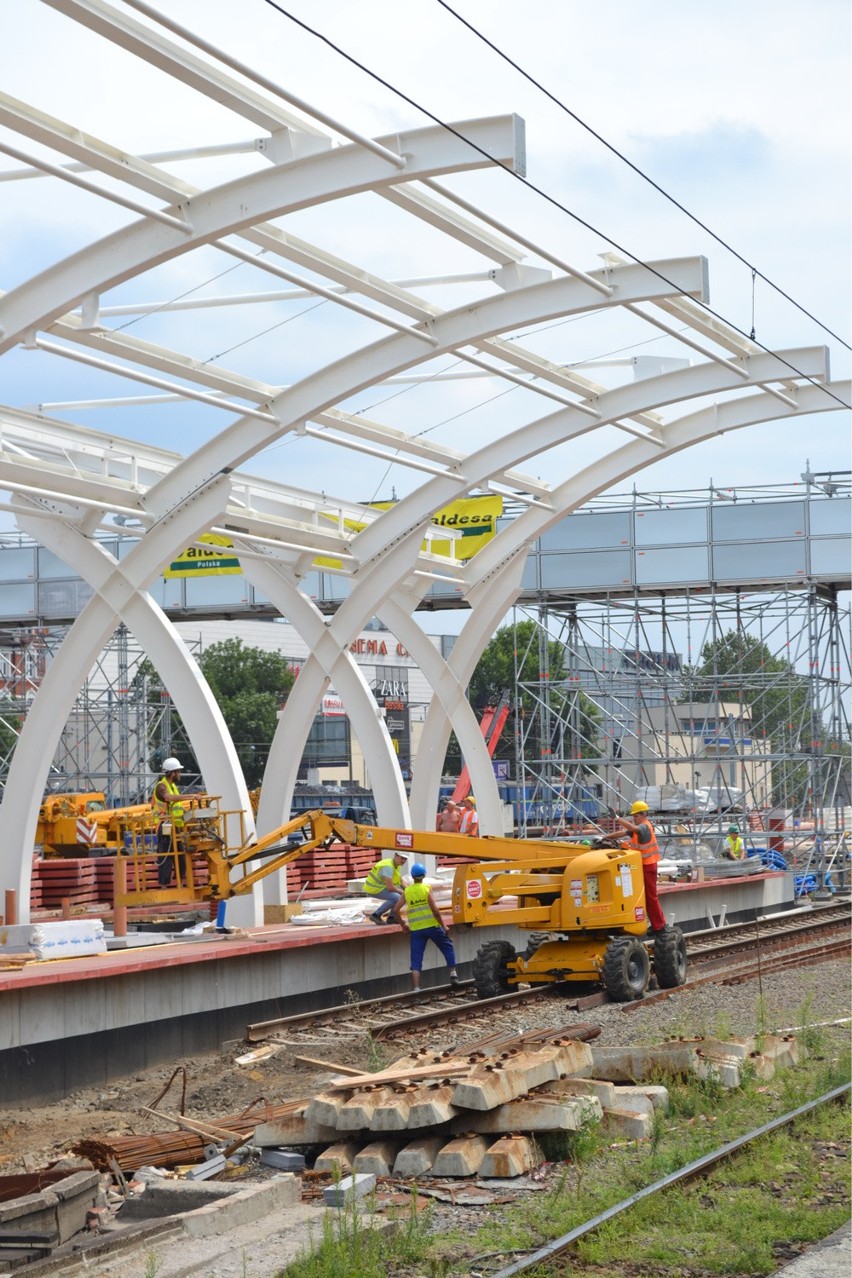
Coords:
pixel 583 903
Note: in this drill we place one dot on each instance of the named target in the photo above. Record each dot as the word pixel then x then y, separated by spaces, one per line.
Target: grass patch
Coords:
pixel 350 1246
pixel 745 1217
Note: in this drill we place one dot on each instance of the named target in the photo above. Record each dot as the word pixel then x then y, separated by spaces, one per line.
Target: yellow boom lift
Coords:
pixel 584 904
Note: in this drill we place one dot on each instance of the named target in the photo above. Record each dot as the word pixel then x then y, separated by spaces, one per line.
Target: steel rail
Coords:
pixel 386 1024
pixel 694 1168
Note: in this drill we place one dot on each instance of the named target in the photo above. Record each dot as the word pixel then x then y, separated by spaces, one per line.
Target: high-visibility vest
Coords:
pixel 418 911
pixel 469 821
pixel 736 847
pixel 376 881
pixel 650 852
pixel 168 811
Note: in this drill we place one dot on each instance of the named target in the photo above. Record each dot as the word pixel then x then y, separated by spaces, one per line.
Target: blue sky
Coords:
pixel 741 112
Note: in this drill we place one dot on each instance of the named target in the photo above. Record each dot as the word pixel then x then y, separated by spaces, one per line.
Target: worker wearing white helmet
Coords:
pixel 644 839
pixel 169 812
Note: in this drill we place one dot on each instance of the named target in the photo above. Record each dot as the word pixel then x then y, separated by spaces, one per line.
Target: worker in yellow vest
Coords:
pixel 385 882
pixel 425 923
pixel 733 848
pixel 170 822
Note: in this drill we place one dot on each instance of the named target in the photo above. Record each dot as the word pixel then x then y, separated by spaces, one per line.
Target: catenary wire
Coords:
pixel 299 22
pixel 641 173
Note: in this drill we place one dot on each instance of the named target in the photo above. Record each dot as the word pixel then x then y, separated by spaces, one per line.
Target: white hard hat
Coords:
pixel 172 765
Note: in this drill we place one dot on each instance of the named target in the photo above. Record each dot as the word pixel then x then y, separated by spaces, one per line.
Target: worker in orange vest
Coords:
pixel 644 839
pixel 469 818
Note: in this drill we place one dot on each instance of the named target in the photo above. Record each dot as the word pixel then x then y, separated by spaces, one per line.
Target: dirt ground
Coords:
pixel 217 1086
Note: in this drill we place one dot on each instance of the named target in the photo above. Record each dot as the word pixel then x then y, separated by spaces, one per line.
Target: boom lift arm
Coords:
pixel 585 903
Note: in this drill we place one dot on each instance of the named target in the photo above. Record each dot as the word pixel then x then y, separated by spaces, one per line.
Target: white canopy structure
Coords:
pixel 294 180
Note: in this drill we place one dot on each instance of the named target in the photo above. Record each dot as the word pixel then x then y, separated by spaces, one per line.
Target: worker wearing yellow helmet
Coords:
pixel 644 839
pixel 469 818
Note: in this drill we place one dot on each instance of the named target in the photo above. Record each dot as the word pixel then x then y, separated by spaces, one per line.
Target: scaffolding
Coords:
pixel 120 717
pixel 711 705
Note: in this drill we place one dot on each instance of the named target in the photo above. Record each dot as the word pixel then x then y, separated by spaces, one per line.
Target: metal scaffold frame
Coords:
pixel 115 725
pixel 769 748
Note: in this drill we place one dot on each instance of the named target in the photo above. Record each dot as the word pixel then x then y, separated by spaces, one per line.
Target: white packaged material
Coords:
pixel 70 938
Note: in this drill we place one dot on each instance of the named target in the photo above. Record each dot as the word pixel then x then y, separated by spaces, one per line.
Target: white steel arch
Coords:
pixel 72 485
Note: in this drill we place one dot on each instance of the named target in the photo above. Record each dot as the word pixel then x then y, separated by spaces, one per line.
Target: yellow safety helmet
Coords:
pixel 638 806
pixel 471 800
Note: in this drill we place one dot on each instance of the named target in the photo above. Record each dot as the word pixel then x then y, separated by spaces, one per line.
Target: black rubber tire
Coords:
pixel 490 971
pixel 626 969
pixel 535 940
pixel 670 959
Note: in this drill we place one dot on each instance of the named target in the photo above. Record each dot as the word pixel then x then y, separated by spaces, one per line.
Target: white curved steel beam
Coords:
pixel 237 205
pixel 367 723
pixel 409 514
pixel 159 640
pixel 498 566
pixel 64 677
pixel 365 367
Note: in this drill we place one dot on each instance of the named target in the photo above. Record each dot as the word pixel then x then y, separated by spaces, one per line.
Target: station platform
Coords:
pixel 80 1022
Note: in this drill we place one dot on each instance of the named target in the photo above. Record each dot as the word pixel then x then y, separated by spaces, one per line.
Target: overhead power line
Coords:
pixel 640 172
pixel 430 115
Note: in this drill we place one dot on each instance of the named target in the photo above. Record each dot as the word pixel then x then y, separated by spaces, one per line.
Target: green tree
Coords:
pixel 740 667
pixel 250 686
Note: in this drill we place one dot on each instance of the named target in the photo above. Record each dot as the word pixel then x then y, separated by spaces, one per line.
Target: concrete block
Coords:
pixel 431 1106
pixel 293 1131
pixel 283 1159
pixel 324 1108
pixel 763 1066
pixel 393 1114
pixel 242 1208
pixel 172 1197
pixel 515 1073
pixel 536 1113
pixel 725 1070
pixel 643 1099
pixel 627 1124
pixel 351 1187
pixel 57 1211
pixel 357 1113
pixel 418 1156
pixel 599 1088
pixel 738 1048
pixel 510 1156
pixel 632 1064
pixel 783 1049
pixel 340 1156
pixel 377 1158
pixel 461 1157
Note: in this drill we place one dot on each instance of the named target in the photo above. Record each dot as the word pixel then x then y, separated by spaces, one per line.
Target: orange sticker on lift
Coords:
pixel 474 889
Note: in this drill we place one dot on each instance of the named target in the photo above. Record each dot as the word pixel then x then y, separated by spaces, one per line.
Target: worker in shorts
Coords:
pixel 424 923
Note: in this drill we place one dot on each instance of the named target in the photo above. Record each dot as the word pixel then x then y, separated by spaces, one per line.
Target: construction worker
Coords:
pixel 644 839
pixel 449 819
pixel 385 882
pixel 733 848
pixel 424 923
pixel 469 818
pixel 169 812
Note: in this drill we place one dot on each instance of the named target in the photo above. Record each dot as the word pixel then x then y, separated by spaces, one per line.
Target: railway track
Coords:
pixel 546 1255
pixel 734 953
